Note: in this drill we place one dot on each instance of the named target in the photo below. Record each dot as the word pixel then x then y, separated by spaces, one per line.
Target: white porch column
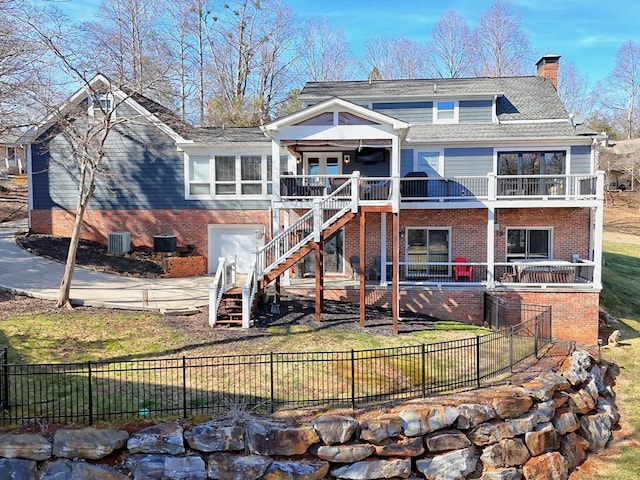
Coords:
pixel 275 169
pixel 598 225
pixel 395 156
pixel 491 239
pixel 383 248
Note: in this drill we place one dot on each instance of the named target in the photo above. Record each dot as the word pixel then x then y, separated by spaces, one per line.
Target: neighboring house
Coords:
pixel 434 194
pixel 12 154
pixel 621 163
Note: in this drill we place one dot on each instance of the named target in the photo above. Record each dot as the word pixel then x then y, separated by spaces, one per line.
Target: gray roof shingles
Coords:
pixel 481 132
pixel 522 98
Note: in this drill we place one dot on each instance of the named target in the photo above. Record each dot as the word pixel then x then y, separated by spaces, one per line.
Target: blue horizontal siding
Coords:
pixel 400 105
pixel 142 171
pixel 475 111
pixel 581 159
pixel 468 161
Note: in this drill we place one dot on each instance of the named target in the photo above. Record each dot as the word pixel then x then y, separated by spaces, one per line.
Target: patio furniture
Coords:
pixel 462 271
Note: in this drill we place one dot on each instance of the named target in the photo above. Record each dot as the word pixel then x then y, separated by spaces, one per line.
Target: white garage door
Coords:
pixel 237 241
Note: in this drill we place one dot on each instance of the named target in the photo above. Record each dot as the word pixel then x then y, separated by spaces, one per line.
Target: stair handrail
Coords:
pixel 224 279
pixel 308 226
pixel 249 292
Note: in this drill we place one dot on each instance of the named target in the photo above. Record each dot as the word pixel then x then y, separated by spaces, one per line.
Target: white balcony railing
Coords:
pixel 421 188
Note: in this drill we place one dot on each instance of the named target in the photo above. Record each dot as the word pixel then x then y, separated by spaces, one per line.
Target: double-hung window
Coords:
pixel 529 243
pixel 445 111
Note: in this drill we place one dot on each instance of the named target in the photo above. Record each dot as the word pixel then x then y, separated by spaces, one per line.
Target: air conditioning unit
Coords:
pixel 119 242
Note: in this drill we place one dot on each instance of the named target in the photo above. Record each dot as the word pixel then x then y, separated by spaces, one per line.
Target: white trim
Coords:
pixel 238 182
pixel 334 105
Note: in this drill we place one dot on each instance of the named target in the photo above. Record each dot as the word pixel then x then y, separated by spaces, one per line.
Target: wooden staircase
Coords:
pixel 291 260
pixel 281 253
pixel 230 310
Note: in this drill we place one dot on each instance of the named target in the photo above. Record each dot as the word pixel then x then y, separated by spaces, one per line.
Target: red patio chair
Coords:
pixel 462 271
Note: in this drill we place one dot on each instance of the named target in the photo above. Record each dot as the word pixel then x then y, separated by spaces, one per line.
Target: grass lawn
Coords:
pixel 620 297
pixel 61 337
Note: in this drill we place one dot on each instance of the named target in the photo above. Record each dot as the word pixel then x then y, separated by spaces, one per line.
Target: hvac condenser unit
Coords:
pixel 119 242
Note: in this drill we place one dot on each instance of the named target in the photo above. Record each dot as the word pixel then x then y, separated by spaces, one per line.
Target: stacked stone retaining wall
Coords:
pixel 541 425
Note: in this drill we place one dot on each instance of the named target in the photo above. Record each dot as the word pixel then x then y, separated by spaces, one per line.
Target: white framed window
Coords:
pixel 445 111
pixel 101 103
pixel 230 174
pixel 199 175
pixel 525 243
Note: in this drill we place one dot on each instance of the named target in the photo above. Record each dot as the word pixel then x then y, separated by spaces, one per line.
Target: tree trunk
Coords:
pixel 65 284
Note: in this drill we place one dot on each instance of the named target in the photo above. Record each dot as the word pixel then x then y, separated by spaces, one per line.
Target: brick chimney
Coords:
pixel 548 68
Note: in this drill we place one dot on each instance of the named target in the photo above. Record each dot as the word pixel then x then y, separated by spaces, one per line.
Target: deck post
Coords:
pixel 395 280
pixel 363 278
pixel 318 248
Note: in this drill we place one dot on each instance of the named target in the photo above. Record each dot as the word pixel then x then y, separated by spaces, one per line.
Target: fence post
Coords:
pixel 5 379
pixel 511 349
pixel 271 376
pixel 478 360
pixel 353 380
pixel 184 387
pixel 536 334
pixel 424 371
pixel 90 389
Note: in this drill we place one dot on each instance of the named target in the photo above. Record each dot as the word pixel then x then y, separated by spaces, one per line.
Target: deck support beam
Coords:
pixel 363 277
pixel 395 281
pixel 318 248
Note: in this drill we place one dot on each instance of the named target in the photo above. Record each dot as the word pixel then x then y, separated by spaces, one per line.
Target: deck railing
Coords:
pixel 539 273
pixel 447 189
pixel 224 279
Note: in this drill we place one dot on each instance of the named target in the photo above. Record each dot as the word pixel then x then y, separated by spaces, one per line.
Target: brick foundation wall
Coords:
pixel 571 229
pixel 574 314
pixel 189 226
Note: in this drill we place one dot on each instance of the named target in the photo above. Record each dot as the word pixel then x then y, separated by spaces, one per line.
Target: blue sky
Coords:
pixel 587 33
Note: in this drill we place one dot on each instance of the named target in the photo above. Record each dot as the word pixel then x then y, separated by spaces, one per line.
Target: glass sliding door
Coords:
pixel 424 247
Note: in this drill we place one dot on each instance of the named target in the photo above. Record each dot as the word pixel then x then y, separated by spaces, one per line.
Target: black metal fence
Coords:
pixel 103 391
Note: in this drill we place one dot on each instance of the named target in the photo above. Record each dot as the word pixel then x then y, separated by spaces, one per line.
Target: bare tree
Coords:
pixel 450 46
pixel 77 133
pixel 25 73
pixel 622 93
pixel 502 47
pixel 396 57
pixel 276 60
pixel 324 53
pixel 127 43
pixel 573 88
pixel 235 39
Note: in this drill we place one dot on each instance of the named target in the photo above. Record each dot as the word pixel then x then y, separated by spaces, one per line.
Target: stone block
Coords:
pixel 335 429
